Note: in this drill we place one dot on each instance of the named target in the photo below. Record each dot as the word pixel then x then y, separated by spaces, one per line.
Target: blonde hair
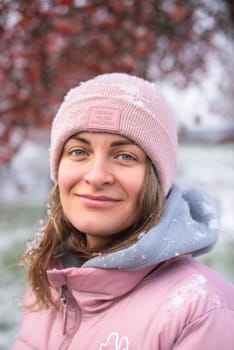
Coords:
pixel 59 232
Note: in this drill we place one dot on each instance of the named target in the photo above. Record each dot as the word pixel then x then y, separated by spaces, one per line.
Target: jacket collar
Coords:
pixel 95 288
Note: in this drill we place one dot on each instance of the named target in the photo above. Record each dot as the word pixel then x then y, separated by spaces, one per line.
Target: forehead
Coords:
pixel 102 136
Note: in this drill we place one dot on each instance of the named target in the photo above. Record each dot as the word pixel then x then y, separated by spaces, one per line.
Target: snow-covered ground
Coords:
pixel 23 191
pixel 211 168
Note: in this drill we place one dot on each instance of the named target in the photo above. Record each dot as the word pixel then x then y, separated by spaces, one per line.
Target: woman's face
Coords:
pixel 100 179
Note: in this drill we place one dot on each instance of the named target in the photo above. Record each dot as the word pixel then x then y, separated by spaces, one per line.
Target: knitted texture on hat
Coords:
pixel 121 104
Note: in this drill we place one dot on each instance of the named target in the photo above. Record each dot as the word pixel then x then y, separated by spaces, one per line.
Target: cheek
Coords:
pixel 66 177
pixel 138 192
pixel 135 188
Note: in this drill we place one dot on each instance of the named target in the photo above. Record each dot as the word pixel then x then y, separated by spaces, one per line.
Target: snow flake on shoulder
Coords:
pixel 115 342
pixel 192 290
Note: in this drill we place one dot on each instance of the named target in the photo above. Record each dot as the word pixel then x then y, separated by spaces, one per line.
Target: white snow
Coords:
pixel 190 291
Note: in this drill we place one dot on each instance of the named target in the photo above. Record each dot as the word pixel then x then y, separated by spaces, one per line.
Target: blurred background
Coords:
pixel 49 46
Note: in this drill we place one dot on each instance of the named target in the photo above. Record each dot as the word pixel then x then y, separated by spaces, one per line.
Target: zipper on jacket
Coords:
pixel 63 297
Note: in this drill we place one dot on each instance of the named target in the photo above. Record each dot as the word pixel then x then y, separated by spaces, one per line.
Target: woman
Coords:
pixel 113 268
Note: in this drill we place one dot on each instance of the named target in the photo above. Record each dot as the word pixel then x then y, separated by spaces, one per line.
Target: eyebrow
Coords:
pixel 78 138
pixel 113 144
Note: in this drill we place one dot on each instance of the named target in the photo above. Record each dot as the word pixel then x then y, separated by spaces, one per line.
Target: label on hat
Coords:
pixel 104 118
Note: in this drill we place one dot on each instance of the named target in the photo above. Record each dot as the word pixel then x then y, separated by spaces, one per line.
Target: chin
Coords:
pixel 94 230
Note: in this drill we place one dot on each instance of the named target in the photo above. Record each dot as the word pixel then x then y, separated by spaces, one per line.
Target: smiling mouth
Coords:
pixel 98 201
pixel 98 198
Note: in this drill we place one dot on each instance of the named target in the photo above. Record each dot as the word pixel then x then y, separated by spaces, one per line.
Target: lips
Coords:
pixel 98 198
pixel 98 201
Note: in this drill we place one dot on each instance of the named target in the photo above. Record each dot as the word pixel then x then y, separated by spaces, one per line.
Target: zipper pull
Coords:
pixel 63 297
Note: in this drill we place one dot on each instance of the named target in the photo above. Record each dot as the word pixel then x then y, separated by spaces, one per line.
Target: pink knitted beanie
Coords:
pixel 121 104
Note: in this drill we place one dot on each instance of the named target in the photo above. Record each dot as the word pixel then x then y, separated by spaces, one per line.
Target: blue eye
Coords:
pixel 126 156
pixel 78 153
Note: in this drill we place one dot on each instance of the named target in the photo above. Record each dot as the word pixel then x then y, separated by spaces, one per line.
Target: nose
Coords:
pixel 99 173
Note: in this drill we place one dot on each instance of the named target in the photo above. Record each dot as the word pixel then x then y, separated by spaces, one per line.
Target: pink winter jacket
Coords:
pixel 179 304
pixel 150 296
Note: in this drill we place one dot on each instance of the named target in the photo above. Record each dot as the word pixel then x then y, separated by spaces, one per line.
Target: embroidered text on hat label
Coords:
pixel 104 118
